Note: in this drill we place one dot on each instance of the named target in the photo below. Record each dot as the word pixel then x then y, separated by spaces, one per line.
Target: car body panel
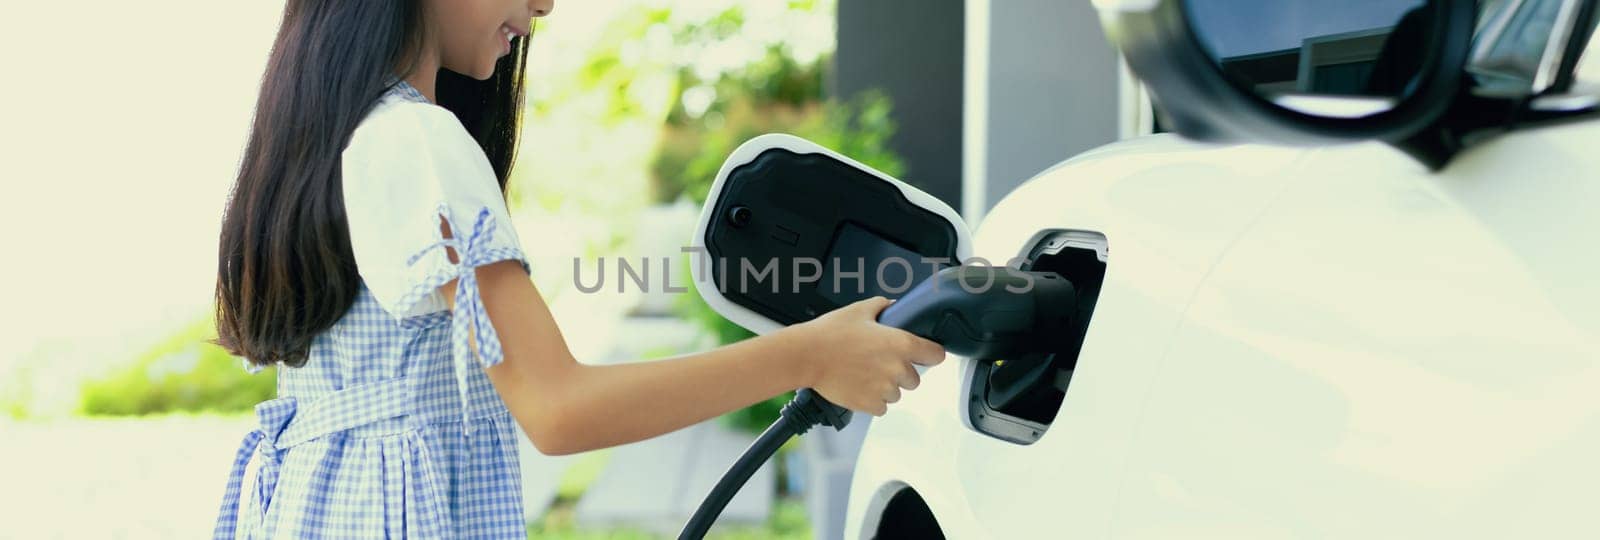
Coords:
pixel 1309 342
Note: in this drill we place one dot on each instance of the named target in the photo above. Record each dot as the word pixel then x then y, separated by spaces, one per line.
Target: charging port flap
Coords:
pixel 1016 399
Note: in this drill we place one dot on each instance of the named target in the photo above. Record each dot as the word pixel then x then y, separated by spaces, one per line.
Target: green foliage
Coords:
pixel 859 128
pixel 559 522
pixel 581 475
pixel 184 373
pixel 751 419
pixel 775 93
pixel 788 522
pixel 17 397
pixel 691 308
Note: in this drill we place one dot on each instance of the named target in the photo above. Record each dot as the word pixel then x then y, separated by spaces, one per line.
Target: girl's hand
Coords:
pixel 857 363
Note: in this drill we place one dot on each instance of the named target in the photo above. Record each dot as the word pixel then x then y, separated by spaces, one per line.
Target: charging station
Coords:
pixel 784 201
pixel 792 230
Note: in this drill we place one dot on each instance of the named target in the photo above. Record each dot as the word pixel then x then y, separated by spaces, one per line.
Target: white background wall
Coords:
pixel 121 125
pixel 1041 87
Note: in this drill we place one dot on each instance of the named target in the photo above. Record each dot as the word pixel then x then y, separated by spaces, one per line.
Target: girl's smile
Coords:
pixel 471 36
pixel 511 32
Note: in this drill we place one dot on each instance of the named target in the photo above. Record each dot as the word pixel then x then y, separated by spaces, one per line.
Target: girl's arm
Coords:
pixel 566 406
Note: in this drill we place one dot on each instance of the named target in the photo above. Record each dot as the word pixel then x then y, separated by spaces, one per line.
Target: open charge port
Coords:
pixel 1016 399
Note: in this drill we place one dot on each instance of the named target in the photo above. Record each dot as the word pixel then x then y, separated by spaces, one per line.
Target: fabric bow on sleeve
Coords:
pixel 469 320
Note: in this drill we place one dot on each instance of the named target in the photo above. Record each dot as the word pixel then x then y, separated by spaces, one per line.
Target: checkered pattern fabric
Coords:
pixel 389 430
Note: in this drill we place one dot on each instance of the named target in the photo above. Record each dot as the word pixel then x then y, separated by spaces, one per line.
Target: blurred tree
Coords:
pixel 777 94
pixel 184 373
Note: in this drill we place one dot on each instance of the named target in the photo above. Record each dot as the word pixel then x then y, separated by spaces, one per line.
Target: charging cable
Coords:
pixel 806 410
pixel 976 312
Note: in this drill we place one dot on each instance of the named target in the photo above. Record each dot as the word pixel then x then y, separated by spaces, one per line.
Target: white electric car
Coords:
pixel 1339 339
pixel 1354 294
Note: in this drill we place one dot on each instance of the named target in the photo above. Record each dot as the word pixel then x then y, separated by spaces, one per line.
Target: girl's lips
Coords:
pixel 510 32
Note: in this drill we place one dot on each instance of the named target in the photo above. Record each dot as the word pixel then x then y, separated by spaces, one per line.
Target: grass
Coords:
pixel 788 521
pixel 181 374
pixel 578 477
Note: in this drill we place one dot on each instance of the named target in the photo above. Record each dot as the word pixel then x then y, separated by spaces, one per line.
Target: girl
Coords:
pixel 367 248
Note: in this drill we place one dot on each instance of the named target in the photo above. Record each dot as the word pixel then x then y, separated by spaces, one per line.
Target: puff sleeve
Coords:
pixel 408 168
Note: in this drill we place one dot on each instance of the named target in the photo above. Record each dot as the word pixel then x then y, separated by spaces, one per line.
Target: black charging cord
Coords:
pixel 806 410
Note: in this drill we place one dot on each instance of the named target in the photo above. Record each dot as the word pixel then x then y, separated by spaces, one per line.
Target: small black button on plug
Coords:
pixel 740 216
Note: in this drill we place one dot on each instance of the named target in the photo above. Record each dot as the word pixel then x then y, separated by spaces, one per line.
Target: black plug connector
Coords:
pixel 808 409
pixel 985 312
pixel 979 312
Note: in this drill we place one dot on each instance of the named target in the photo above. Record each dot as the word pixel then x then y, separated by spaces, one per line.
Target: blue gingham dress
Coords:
pixel 391 429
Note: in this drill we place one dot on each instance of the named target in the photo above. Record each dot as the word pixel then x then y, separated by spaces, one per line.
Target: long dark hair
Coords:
pixel 285 271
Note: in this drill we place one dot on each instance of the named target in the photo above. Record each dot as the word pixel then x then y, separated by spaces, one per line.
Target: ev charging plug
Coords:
pixel 973 311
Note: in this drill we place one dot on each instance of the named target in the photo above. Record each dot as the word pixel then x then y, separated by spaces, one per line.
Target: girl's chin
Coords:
pixel 478 73
pixel 487 69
